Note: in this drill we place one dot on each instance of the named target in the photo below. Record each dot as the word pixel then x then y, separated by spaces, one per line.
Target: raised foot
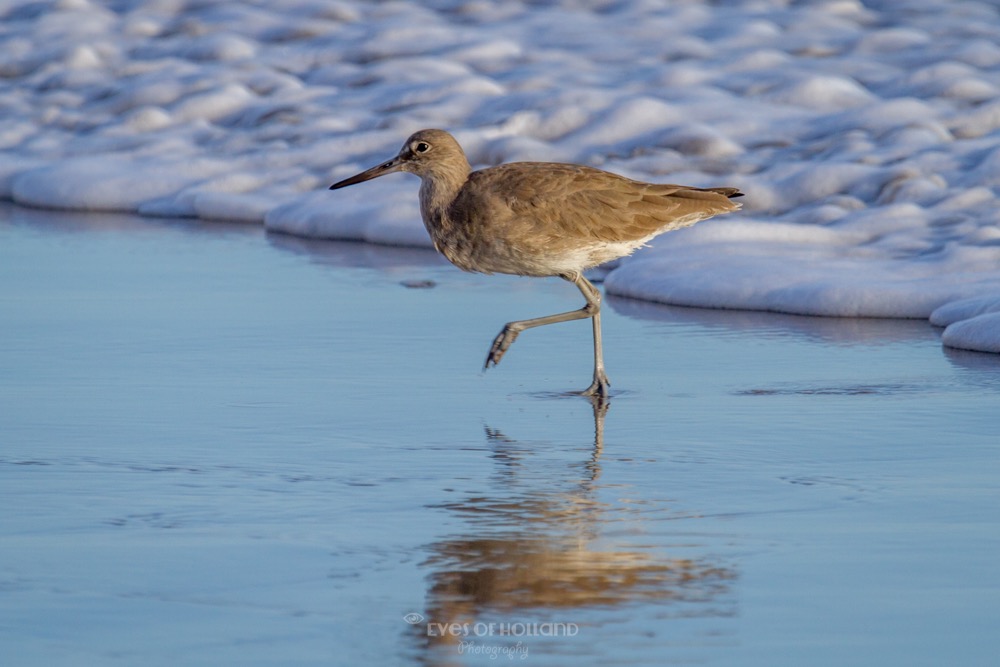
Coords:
pixel 501 343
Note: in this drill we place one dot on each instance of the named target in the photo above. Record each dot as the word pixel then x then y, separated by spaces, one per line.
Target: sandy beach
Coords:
pixel 236 431
pixel 223 446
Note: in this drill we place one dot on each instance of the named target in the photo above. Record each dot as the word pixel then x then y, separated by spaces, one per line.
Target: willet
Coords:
pixel 541 219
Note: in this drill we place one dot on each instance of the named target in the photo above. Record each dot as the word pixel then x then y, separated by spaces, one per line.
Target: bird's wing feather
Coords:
pixel 586 202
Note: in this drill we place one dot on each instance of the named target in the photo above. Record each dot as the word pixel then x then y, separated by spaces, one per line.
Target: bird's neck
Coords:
pixel 437 192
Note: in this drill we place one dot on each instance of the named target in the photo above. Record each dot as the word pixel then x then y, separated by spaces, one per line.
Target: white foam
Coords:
pixel 389 206
pixel 977 333
pixel 110 183
pixel 965 309
pixel 865 136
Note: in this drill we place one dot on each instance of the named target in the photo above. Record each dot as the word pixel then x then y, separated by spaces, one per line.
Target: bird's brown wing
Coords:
pixel 583 202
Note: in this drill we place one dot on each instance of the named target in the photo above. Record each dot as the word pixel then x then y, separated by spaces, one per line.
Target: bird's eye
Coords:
pixel 422 147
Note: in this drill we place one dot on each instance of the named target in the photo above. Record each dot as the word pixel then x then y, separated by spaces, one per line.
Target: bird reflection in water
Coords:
pixel 538 548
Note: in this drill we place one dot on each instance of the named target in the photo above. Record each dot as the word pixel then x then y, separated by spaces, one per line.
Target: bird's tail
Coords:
pixel 732 193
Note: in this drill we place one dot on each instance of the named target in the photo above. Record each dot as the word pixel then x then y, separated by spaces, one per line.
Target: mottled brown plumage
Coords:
pixel 541 219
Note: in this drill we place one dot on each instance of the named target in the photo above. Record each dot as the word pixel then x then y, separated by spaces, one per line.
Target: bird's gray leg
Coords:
pixel 510 331
pixel 599 387
pixel 591 309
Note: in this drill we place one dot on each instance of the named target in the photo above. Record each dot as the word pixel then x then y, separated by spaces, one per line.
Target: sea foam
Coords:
pixel 865 137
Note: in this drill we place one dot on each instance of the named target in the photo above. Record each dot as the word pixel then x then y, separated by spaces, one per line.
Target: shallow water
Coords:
pixel 226 447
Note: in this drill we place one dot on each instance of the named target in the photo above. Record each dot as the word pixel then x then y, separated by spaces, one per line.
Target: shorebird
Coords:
pixel 541 219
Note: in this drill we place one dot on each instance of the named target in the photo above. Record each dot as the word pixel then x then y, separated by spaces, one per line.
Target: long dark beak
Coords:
pixel 395 164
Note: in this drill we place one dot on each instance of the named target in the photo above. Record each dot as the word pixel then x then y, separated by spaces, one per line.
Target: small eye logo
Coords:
pixel 413 618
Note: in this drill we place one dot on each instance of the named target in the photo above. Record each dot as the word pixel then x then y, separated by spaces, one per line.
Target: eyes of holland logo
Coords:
pixel 413 618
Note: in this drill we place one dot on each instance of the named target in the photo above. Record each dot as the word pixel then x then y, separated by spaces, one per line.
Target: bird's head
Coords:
pixel 427 153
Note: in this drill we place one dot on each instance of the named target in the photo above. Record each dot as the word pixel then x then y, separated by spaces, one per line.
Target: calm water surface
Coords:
pixel 224 447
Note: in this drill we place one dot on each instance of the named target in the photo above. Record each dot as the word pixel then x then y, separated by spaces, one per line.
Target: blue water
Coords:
pixel 226 447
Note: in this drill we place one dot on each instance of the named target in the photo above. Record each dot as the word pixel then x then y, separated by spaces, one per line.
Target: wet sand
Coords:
pixel 227 447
